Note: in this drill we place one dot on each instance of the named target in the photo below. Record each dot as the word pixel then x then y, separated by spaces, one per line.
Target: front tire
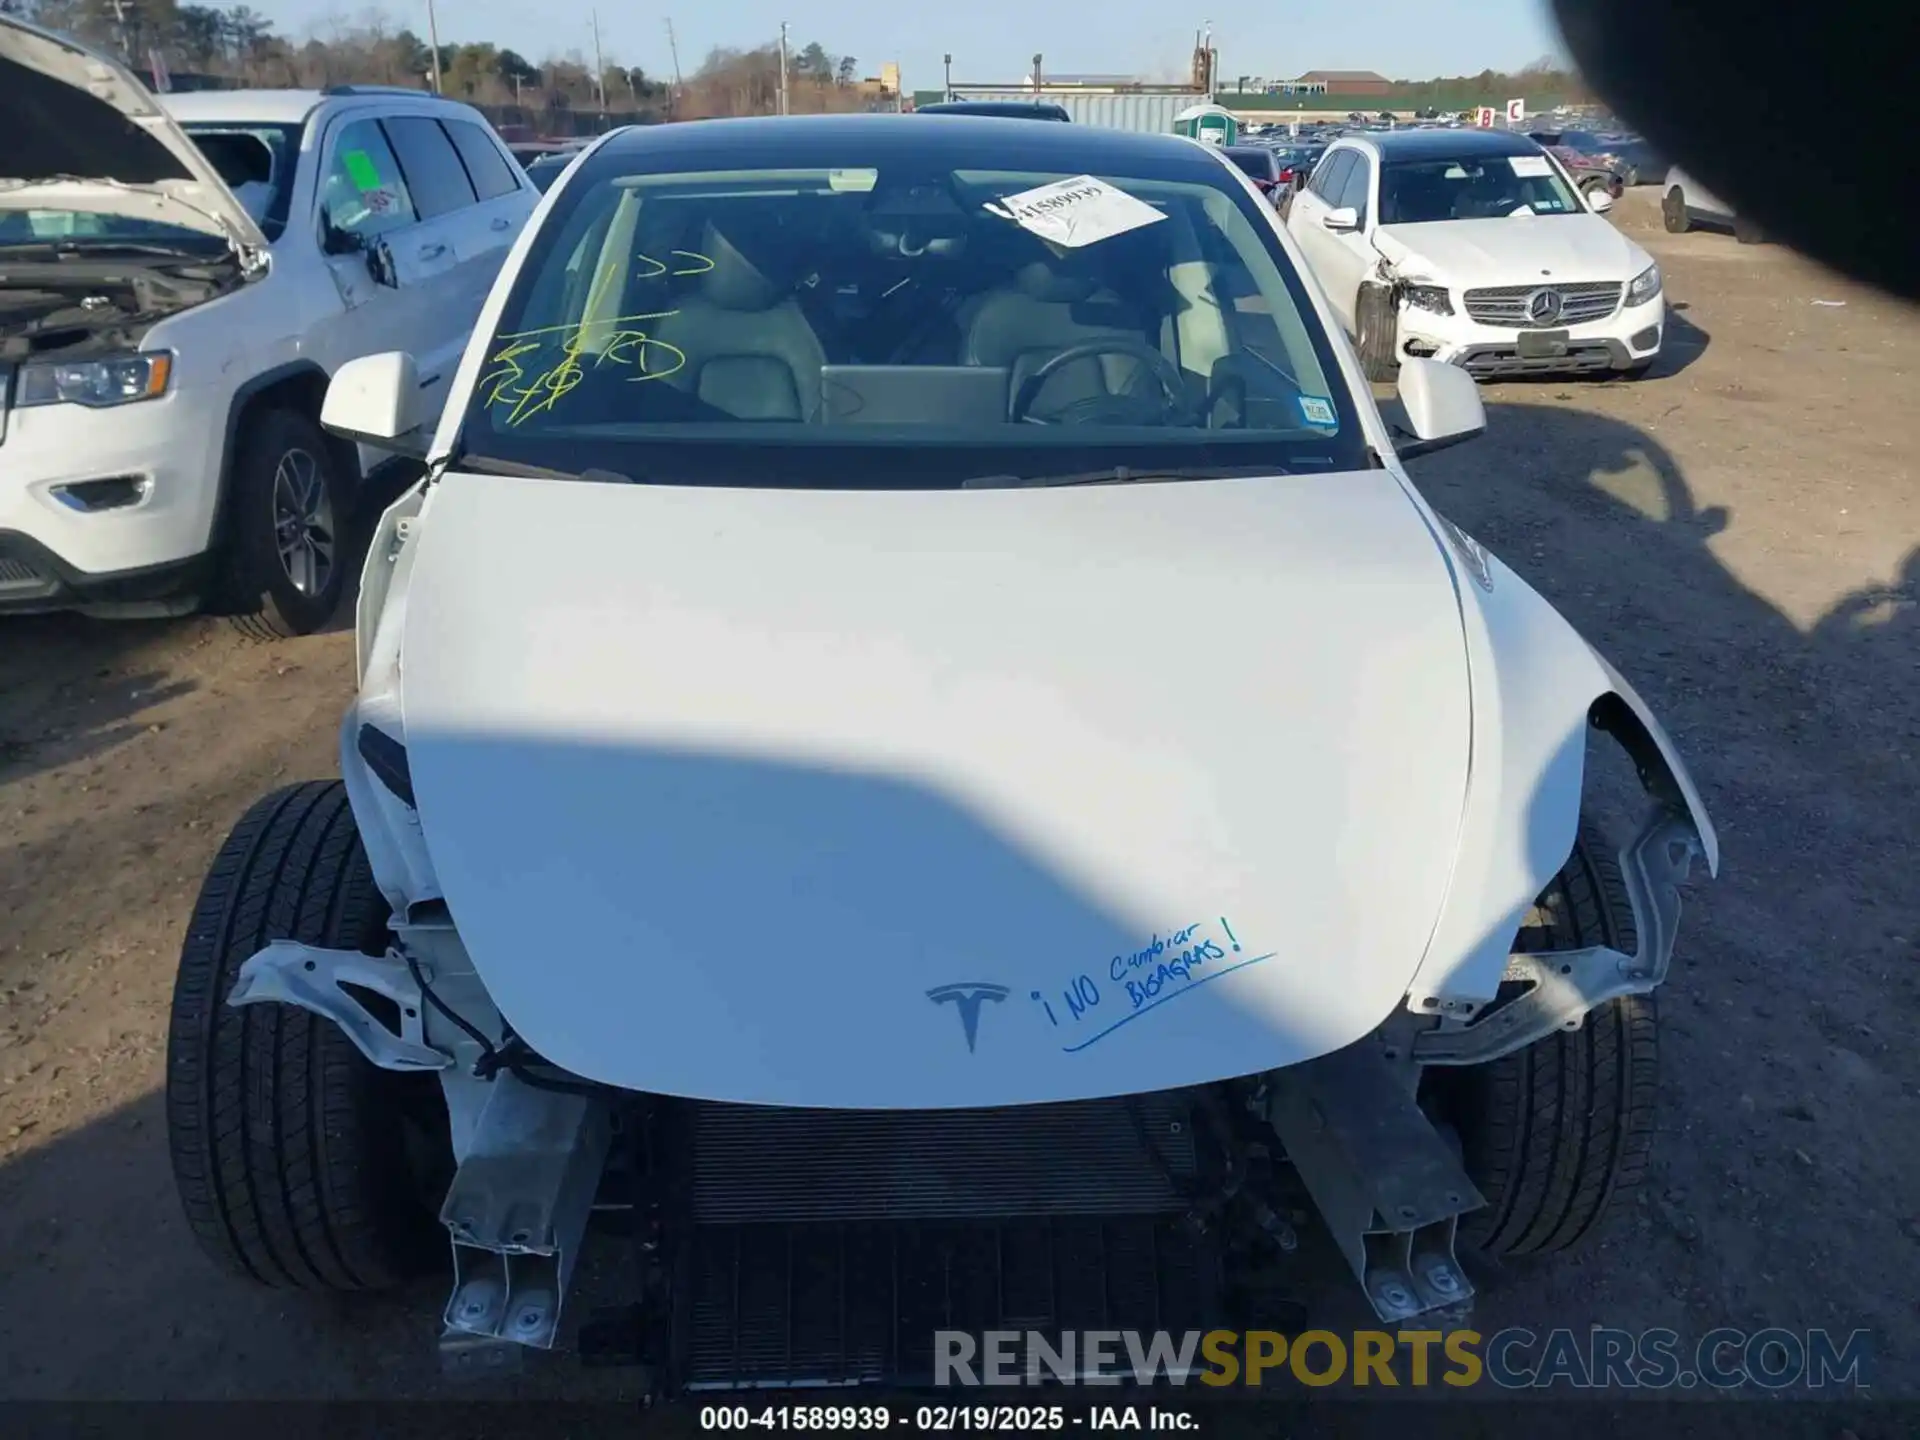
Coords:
pixel 1376 330
pixel 1557 1135
pixel 286 556
pixel 1673 212
pixel 298 1162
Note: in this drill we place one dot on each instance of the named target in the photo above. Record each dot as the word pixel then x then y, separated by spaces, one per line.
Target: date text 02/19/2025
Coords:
pixel 945 1419
pixel 1091 1008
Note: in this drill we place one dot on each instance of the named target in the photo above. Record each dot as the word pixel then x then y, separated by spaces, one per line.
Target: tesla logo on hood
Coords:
pixel 967 1000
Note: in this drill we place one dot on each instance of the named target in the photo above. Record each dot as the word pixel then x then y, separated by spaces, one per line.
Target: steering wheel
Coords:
pixel 1172 388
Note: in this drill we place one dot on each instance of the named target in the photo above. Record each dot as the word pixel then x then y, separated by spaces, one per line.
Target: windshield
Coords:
pixel 906 324
pixel 1483 187
pixel 256 162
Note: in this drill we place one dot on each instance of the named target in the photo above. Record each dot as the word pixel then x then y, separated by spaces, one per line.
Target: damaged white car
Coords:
pixel 1477 249
pixel 917 745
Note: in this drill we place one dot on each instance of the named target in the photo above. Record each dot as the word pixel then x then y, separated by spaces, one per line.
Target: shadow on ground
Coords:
pixel 1777 1181
pixel 54 712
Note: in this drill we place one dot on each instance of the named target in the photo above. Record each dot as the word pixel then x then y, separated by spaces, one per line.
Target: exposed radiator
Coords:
pixel 826 1247
pixel 825 1304
pixel 1082 1158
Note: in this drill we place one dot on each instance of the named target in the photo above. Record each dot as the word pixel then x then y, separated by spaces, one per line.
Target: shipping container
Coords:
pixel 1148 111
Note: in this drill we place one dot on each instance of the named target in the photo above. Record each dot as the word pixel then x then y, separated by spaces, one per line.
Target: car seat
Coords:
pixel 744 346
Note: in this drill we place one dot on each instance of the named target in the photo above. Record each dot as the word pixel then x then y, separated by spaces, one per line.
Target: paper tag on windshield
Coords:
pixel 1076 212
pixel 1530 166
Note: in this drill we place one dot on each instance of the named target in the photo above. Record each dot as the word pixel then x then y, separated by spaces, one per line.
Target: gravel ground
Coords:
pixel 1740 532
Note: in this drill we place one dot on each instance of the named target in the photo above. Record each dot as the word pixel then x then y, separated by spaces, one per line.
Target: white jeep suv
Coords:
pixel 179 278
pixel 1475 248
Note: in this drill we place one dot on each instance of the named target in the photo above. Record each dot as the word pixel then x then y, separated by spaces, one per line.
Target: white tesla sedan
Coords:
pixel 917 741
pixel 1475 248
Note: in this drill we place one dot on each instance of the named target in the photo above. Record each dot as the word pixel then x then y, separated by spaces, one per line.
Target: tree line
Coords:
pixel 237 45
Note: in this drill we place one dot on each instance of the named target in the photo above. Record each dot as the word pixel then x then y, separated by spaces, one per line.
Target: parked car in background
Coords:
pixel 1632 157
pixel 1000 109
pixel 1588 173
pixel 1687 203
pixel 1475 248
pixel 178 279
pixel 1263 167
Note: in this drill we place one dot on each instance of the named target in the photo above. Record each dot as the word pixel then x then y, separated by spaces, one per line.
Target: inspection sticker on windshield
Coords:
pixel 1529 166
pixel 1318 410
pixel 1075 212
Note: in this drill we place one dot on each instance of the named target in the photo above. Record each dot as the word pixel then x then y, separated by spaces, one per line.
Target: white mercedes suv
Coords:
pixel 1475 248
pixel 178 281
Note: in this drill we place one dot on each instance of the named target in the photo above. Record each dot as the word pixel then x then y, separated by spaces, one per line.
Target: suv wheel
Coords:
pixel 286 559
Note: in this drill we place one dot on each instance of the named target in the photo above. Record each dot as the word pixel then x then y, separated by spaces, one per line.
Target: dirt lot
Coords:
pixel 1740 532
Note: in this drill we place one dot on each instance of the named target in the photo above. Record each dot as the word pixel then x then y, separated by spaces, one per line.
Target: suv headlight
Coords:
pixel 1645 286
pixel 116 380
pixel 1429 297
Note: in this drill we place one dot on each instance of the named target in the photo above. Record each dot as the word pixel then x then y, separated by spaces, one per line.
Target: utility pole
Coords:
pixel 947 60
pixel 433 39
pixel 673 49
pixel 599 65
pixel 783 67
pixel 1036 74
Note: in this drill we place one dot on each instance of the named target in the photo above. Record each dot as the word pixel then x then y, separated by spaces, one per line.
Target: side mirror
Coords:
pixel 336 241
pixel 1346 218
pixel 1442 404
pixel 377 400
pixel 1599 200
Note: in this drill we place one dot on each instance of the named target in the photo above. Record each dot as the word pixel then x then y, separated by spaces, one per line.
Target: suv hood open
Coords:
pixel 82 133
pixel 936 798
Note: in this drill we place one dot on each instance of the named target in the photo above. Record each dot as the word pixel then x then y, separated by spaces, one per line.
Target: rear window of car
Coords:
pixel 486 166
pixel 435 177
pixel 1260 164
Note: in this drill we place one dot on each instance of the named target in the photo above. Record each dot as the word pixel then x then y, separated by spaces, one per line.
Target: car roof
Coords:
pixel 1012 109
pixel 269 107
pixel 278 107
pixel 1442 144
pixel 948 141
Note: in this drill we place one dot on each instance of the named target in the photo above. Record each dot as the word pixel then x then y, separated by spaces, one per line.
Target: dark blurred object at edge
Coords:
pixel 1786 113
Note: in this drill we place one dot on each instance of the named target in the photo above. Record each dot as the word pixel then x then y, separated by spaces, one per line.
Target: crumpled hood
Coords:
pixel 1515 250
pixel 82 133
pixel 936 798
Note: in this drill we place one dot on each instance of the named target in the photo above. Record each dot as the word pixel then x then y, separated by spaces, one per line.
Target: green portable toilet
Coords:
pixel 1211 124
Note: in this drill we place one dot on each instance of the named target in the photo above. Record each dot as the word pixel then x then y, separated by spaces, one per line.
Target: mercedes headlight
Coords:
pixel 1645 286
pixel 1429 297
pixel 116 380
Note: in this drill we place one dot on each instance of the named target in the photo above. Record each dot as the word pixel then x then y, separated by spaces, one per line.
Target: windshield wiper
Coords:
pixel 486 465
pixel 1121 475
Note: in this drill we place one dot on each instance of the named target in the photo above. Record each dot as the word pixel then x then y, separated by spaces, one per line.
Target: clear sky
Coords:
pixel 994 40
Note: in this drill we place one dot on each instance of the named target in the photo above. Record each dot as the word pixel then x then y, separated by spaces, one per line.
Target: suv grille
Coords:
pixel 1507 305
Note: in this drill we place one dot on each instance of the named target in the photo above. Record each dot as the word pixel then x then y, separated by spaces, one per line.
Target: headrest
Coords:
pixel 734 282
pixel 1040 281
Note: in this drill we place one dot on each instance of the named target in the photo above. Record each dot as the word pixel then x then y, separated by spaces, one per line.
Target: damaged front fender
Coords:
pixel 1537 688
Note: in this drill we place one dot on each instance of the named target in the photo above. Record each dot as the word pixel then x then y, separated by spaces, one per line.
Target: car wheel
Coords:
pixel 286 559
pixel 1376 329
pixel 298 1162
pixel 1557 1135
pixel 1630 177
pixel 1673 212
